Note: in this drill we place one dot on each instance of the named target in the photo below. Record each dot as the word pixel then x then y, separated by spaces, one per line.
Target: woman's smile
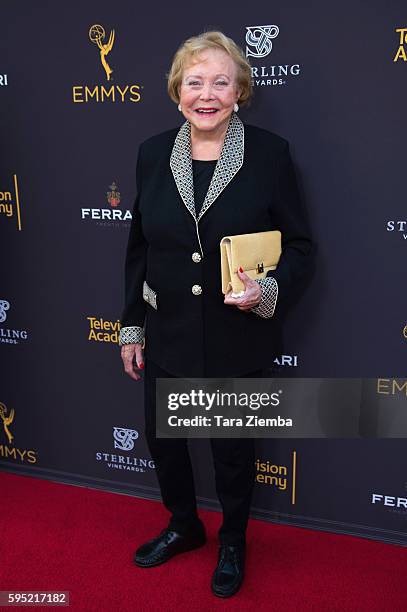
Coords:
pixel 206 111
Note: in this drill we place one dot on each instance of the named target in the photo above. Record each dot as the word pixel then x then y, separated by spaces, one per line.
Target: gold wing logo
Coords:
pixel 96 35
pixel 7 420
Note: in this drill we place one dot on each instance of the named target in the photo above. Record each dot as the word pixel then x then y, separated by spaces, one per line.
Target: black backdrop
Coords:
pixel 333 82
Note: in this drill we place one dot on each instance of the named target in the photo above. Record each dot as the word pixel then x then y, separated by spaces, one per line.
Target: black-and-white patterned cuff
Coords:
pixel 269 293
pixel 131 335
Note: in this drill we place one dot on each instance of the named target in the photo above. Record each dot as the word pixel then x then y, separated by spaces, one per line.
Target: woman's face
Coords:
pixel 209 90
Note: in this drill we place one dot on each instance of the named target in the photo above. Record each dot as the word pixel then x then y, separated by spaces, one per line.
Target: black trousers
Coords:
pixel 233 463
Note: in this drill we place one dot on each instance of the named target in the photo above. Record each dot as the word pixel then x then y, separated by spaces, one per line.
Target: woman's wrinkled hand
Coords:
pixel 251 296
pixel 133 359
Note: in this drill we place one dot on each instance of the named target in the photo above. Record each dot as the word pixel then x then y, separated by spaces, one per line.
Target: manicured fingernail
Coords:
pixel 240 269
pixel 141 366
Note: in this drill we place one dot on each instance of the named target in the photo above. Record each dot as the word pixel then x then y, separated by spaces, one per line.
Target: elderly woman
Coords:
pixel 212 177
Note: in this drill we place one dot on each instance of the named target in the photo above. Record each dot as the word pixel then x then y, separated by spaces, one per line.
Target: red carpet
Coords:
pixel 61 537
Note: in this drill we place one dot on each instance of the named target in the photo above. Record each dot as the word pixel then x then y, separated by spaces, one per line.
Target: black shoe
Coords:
pixel 229 573
pixel 166 545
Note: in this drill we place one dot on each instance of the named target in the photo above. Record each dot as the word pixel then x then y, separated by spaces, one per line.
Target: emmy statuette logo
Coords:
pixel 7 419
pixel 96 35
pixel 9 451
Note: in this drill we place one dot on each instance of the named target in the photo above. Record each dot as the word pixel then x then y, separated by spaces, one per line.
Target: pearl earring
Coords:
pixel 236 107
pixel 179 107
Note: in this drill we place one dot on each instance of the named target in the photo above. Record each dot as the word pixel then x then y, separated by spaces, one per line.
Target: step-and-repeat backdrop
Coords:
pixel 81 85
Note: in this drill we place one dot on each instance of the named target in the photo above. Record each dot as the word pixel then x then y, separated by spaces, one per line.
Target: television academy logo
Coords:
pixel 124 439
pixel 10 204
pixel 112 92
pixel 400 227
pixel 401 51
pixel 259 45
pixel 8 450
pixel 271 474
pixel 9 336
pixel 101 330
pixel 282 478
pixel 109 217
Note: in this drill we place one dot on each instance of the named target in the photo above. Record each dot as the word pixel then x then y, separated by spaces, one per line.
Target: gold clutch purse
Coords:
pixel 255 253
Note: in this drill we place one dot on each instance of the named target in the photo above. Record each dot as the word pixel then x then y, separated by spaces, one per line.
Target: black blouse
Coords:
pixel 203 170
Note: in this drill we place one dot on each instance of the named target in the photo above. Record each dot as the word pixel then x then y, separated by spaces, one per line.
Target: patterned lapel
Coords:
pixel 229 163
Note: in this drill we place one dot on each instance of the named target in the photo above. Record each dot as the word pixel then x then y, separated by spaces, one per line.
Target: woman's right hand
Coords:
pixel 133 359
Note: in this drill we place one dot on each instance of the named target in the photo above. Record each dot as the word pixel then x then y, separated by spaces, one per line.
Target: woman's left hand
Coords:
pixel 251 297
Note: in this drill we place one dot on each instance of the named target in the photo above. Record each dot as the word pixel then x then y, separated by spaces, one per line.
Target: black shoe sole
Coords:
pixel 226 595
pixel 161 561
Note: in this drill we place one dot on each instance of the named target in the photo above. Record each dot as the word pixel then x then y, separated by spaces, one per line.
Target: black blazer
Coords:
pixel 189 331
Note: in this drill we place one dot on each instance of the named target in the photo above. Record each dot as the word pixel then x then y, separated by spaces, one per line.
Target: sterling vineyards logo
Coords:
pixel 7 335
pixel 124 440
pixel 259 44
pixel 4 306
pixel 400 227
pixel 258 40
